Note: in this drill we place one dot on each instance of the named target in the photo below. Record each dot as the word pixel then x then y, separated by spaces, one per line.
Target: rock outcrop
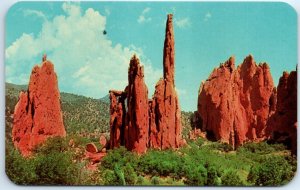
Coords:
pixel 37 114
pixel 234 104
pixel 137 118
pixel 117 118
pixel 282 126
pixel 140 123
pixel 164 109
pixel 129 121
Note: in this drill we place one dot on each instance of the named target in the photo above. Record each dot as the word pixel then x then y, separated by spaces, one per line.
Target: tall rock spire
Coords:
pixel 169 51
pixel 166 128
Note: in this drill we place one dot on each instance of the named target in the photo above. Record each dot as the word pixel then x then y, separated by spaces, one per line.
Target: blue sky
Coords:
pixel 90 63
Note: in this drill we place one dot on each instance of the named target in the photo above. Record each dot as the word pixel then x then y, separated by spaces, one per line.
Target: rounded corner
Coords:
pixel 289 6
pixel 10 180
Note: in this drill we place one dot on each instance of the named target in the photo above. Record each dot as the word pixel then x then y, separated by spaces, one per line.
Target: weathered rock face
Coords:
pixel 282 125
pixel 235 104
pixel 37 114
pixel 155 123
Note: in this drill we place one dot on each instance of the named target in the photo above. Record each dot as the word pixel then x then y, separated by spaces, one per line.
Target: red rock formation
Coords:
pixel 166 126
pixel 234 104
pixel 282 125
pixel 137 118
pixel 130 128
pixel 117 117
pixel 38 113
pixel 155 123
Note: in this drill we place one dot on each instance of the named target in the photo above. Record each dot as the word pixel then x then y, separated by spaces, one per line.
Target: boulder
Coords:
pixel 91 147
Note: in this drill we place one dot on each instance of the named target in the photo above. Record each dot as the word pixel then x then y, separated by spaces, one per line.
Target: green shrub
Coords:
pixel 54 144
pixel 163 163
pixel 231 178
pixel 120 174
pixel 56 168
pixel 212 175
pixel 18 169
pixel 261 148
pixel 109 177
pixel 224 147
pixel 129 174
pixel 119 156
pixel 195 175
pixel 273 171
pixel 155 180
pixel 140 180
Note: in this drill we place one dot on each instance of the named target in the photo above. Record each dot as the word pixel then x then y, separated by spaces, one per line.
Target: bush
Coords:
pixel 140 180
pixel 212 175
pixel 231 178
pixel 56 168
pixel 163 163
pixel 224 147
pixel 130 174
pixel 54 144
pixel 155 180
pixel 109 178
pixel 52 164
pixel 261 148
pixel 120 174
pixel 272 171
pixel 119 156
pixel 195 175
pixel 18 169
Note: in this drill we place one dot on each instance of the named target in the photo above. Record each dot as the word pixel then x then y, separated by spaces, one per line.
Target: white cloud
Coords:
pixel 85 60
pixel 30 12
pixel 182 23
pixel 143 17
pixel 207 16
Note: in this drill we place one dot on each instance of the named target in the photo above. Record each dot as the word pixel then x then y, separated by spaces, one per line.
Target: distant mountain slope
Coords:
pixel 105 99
pixel 81 114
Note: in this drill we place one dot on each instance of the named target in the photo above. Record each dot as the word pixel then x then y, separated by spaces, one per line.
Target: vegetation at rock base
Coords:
pixel 199 163
pixel 205 164
pixel 196 164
